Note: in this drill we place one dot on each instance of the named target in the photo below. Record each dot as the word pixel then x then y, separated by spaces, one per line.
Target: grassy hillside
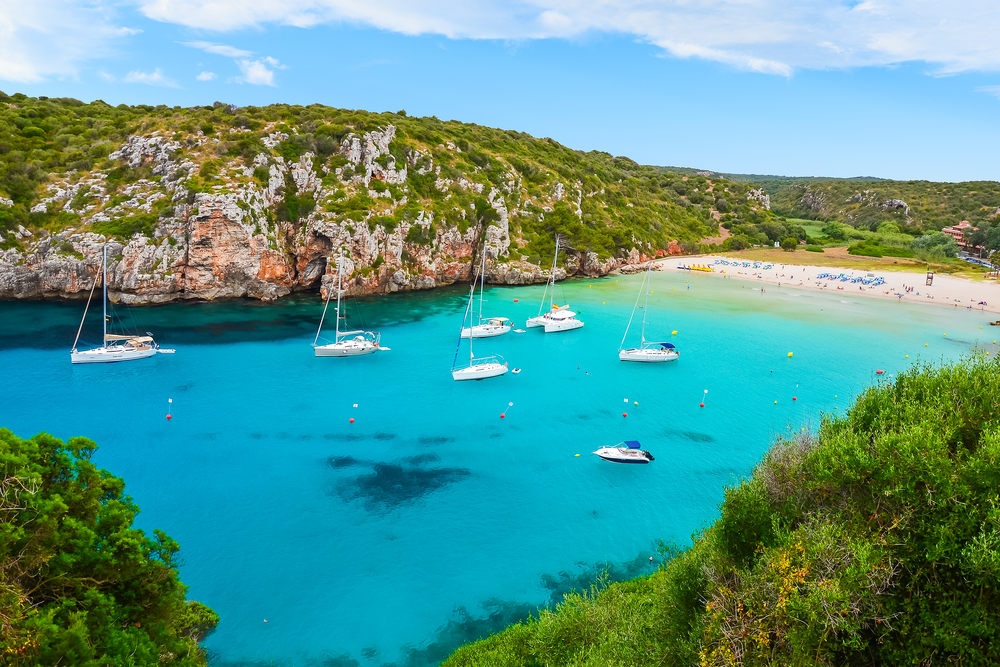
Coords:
pixel 875 540
pixel 599 202
pixel 915 206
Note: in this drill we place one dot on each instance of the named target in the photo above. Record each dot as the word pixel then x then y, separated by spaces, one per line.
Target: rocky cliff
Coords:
pixel 265 208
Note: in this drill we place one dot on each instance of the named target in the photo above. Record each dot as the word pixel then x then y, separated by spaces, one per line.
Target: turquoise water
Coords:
pixel 430 520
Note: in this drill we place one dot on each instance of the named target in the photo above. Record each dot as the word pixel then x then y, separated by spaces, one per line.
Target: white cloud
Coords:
pixel 110 78
pixel 154 78
pixel 53 38
pixel 206 76
pixel 989 90
pixel 219 49
pixel 772 36
pixel 256 72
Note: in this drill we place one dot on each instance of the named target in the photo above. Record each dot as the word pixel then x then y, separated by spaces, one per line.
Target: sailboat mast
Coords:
pixel 482 285
pixel 552 294
pixel 326 305
pixel 645 306
pixel 630 318
pixel 105 281
pixel 340 261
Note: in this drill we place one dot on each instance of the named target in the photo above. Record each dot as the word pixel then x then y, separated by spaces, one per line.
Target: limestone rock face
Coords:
pixel 246 232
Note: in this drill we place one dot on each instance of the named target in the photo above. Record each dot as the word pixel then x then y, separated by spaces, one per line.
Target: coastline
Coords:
pixel 946 291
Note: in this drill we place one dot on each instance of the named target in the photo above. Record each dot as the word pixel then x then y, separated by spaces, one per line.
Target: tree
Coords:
pixel 78 584
pixel 789 244
pixel 835 231
pixel 938 241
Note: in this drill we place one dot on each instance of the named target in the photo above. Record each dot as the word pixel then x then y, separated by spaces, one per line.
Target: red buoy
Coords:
pixel 352 420
pixel 794 399
pixel 169 417
pixel 880 372
pixel 502 415
pixel 701 405
pixel 515 300
pixel 624 414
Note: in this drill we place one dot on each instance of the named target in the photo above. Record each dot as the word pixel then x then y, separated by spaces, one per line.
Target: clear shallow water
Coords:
pixel 386 539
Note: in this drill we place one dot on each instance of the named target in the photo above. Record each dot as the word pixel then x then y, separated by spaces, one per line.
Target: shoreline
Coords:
pixel 947 291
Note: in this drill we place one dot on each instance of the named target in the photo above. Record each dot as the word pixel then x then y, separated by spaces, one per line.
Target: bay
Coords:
pixel 431 519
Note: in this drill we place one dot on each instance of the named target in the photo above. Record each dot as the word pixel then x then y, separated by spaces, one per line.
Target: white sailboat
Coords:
pixel 345 343
pixel 116 347
pixel 557 318
pixel 649 352
pixel 483 367
pixel 488 326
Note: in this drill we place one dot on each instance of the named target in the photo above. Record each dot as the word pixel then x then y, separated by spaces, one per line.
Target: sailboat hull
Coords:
pixel 344 349
pixel 649 356
pixel 484 331
pixel 537 321
pixel 479 371
pixel 104 355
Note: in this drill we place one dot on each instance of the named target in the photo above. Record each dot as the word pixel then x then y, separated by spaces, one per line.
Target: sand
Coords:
pixel 946 291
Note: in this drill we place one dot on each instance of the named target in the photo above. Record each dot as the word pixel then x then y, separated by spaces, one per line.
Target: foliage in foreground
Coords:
pixel 78 584
pixel 875 541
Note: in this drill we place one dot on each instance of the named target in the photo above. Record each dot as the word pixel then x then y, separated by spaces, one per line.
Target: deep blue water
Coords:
pixel 430 519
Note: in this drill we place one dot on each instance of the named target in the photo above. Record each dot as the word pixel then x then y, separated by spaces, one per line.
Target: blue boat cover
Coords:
pixel 633 444
pixel 669 346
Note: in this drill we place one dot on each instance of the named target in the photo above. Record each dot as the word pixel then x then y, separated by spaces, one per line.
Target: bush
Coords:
pixel 126 228
pixel 813 248
pixel 790 244
pixel 938 240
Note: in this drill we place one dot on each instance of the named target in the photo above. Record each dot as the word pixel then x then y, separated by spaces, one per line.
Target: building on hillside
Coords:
pixel 958 232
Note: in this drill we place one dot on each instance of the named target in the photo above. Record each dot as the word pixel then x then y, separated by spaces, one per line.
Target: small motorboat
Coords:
pixel 631 452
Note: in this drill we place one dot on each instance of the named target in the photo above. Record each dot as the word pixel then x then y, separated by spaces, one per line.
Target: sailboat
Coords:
pixel 345 343
pixel 483 367
pixel 116 347
pixel 650 352
pixel 490 326
pixel 557 318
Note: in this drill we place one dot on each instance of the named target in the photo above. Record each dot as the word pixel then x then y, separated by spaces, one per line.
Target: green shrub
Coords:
pixel 126 228
pixel 790 244
pixel 813 248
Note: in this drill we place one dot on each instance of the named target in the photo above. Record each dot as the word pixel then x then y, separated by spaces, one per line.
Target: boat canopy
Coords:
pixel 633 444
pixel 496 320
pixel 561 314
pixel 133 339
pixel 669 346
pixel 349 333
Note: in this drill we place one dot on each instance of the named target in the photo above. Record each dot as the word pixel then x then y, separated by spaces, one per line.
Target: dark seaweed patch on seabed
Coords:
pixel 391 485
pixel 434 440
pixel 696 436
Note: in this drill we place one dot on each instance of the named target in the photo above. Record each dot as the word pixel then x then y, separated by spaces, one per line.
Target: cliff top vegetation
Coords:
pixel 875 540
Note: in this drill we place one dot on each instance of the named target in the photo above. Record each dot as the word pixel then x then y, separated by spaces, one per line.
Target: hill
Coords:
pixel 875 540
pixel 206 202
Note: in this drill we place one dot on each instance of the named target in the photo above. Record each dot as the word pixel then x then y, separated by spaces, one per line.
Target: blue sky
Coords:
pixel 905 89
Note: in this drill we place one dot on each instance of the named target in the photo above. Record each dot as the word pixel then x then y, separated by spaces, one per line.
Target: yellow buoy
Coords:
pixel 907 356
pixel 789 354
pixel 673 333
pixel 577 454
pixel 775 402
pixel 637 402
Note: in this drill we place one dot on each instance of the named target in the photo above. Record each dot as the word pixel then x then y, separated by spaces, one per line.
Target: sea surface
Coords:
pixel 430 520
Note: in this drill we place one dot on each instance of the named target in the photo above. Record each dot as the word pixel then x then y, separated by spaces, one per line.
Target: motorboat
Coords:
pixel 647 351
pixel 479 368
pixel 494 326
pixel 116 347
pixel 629 451
pixel 557 318
pixel 345 343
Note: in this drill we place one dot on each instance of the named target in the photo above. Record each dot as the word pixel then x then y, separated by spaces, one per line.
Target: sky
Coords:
pixel 904 89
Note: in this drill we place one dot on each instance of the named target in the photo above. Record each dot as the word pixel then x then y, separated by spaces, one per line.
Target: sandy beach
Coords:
pixel 946 291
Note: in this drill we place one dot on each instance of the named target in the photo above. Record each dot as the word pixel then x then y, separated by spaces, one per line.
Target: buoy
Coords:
pixel 673 333
pixel 352 420
pixel 169 417
pixel 626 400
pixel 794 399
pixel 577 454
pixel 879 372
pixel 907 356
pixel 637 402
pixel 775 402
pixel 624 414
pixel 925 344
pixel 789 354
pixel 701 405
pixel 502 415
pixel 169 401
pixel 945 334
pixel 516 300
